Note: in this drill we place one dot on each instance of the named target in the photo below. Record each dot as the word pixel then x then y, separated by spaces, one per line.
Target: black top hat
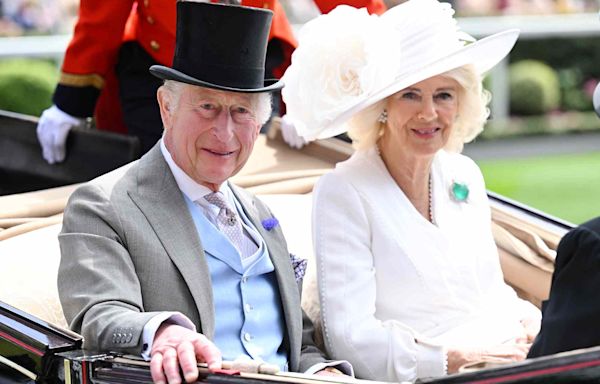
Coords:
pixel 220 46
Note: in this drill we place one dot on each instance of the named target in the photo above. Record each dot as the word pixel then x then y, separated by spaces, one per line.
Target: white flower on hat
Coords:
pixel 338 61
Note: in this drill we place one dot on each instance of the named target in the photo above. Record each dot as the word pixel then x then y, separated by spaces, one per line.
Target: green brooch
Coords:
pixel 459 192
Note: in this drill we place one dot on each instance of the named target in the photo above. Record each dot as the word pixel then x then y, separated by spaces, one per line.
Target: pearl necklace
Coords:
pixel 430 192
pixel 431 200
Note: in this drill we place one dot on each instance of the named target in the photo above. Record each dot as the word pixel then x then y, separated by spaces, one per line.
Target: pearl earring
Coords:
pixel 383 117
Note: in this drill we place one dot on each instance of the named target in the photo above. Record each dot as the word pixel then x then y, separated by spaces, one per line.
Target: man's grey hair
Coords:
pixel 262 100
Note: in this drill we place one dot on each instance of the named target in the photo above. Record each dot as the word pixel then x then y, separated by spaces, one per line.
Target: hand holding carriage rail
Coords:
pixel 175 346
pixel 52 132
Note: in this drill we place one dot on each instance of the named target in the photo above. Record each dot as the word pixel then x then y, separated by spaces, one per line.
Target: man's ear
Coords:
pixel 165 98
pixel 257 131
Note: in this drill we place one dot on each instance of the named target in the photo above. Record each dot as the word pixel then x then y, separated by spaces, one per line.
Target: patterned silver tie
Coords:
pixel 228 221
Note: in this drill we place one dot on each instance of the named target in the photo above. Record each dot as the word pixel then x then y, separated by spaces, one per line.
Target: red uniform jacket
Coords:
pixel 102 26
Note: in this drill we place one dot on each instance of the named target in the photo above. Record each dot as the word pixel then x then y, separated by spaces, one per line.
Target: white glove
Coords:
pixel 290 133
pixel 52 132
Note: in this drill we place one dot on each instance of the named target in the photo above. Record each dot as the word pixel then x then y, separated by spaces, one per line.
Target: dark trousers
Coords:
pixel 137 91
pixel 571 315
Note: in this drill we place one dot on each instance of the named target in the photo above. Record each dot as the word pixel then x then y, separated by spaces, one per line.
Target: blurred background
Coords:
pixel 541 146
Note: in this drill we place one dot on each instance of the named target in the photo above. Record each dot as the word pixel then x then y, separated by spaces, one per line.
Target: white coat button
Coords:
pixel 247 308
pixel 244 279
pixel 247 336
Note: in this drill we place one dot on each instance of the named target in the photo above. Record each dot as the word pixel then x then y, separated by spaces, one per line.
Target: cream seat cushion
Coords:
pixel 29 269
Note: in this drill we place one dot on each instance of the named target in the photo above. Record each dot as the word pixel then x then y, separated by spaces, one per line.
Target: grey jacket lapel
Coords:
pixel 159 198
pixel 288 288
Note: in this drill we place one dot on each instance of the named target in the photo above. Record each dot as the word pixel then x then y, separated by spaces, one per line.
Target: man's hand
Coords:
pixel 52 132
pixel 503 353
pixel 290 133
pixel 175 346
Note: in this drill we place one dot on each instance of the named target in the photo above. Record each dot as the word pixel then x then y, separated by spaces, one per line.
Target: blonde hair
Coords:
pixel 365 129
pixel 262 100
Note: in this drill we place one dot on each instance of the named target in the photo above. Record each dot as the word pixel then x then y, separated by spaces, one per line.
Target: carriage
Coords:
pixel 36 345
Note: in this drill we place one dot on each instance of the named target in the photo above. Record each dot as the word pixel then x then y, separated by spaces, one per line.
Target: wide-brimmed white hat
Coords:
pixel 348 60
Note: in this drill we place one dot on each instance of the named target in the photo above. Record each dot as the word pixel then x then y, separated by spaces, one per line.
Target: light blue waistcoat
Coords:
pixel 248 313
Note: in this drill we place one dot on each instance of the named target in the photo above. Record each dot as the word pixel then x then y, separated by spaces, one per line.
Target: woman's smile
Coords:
pixel 426 133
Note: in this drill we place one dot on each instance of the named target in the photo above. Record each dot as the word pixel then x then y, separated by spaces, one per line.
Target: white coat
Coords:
pixel 397 290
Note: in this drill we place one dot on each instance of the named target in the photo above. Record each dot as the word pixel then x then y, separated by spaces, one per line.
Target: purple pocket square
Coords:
pixel 299 266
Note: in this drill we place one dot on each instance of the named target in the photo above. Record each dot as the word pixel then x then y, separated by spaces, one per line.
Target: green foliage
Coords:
pixel 565 186
pixel 576 60
pixel 562 53
pixel 26 85
pixel 534 88
pixel 571 88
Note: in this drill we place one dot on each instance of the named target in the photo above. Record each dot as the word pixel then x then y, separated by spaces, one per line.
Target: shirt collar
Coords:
pixel 186 184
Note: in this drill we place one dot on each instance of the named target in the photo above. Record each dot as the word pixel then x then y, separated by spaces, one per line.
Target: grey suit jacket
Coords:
pixel 130 250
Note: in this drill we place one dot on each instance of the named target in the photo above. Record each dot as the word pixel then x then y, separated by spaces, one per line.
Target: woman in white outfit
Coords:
pixel 409 277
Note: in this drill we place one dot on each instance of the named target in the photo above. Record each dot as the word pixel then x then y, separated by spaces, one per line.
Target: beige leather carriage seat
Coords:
pixel 283 178
pixel 29 269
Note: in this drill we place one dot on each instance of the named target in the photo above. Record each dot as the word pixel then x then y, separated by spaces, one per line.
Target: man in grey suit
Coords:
pixel 167 259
